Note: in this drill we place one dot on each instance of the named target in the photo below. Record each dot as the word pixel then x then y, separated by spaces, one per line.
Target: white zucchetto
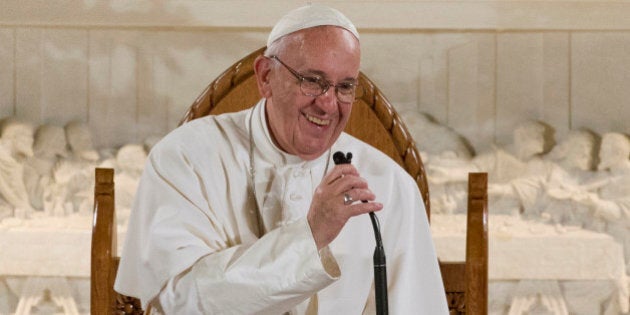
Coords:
pixel 310 16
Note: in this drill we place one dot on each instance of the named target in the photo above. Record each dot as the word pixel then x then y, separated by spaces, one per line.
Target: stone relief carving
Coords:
pixel 610 200
pixel 46 178
pixel 48 148
pixel 49 173
pixel 443 150
pixel 129 165
pixel 16 145
pixel 568 184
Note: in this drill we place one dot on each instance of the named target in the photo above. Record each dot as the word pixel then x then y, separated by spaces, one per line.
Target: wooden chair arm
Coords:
pixel 103 272
pixel 477 245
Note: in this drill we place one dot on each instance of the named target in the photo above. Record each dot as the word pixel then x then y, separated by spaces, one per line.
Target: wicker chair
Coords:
pixel 466 283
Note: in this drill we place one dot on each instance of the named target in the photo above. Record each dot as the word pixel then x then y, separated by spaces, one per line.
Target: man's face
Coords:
pixel 302 125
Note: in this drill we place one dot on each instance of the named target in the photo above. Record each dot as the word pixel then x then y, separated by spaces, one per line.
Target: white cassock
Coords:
pixel 192 246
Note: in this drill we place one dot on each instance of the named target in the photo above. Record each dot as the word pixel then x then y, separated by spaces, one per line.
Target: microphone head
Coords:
pixel 339 158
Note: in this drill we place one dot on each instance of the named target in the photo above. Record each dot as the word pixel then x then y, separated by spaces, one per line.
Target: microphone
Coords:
pixel 380 270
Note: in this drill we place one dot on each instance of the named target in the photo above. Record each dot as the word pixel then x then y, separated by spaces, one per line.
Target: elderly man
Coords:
pixel 252 217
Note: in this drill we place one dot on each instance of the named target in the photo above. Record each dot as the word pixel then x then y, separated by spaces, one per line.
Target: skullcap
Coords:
pixel 310 16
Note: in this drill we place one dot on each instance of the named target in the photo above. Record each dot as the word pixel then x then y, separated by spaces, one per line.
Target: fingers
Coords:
pixel 359 194
pixel 343 178
pixel 363 208
pixel 340 171
pixel 355 207
pixel 342 194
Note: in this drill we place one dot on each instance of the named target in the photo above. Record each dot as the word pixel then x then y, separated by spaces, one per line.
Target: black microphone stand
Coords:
pixel 380 268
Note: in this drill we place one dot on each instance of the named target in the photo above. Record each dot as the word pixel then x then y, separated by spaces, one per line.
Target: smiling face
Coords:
pixel 302 125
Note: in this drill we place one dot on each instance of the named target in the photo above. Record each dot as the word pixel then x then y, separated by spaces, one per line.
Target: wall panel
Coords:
pixel 556 82
pixel 600 85
pixel 463 88
pixel 64 75
pixel 132 83
pixel 519 81
pixel 28 73
pixel 7 67
pixel 122 106
pixel 486 108
pixel 99 85
pixel 151 111
pixel 400 57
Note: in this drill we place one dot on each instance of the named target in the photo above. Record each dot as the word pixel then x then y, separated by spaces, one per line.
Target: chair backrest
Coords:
pixel 374 121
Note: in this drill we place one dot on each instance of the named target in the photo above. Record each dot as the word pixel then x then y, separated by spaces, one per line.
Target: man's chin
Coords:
pixel 312 154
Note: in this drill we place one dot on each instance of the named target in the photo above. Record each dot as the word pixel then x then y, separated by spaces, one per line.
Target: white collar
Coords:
pixel 265 149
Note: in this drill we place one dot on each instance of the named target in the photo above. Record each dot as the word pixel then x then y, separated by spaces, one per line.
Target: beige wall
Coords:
pixel 131 68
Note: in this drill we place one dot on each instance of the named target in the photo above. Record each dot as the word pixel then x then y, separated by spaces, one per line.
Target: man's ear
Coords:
pixel 262 69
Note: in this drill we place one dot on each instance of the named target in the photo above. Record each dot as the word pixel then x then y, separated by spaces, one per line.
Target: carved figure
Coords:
pixel 56 200
pixel 49 146
pixel 565 188
pixel 441 149
pixel 130 161
pixel 433 138
pixel 16 145
pixel 80 141
pixel 516 173
pixel 83 159
pixel 611 201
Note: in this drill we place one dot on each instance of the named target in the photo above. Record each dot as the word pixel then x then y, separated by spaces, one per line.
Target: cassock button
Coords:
pixel 295 197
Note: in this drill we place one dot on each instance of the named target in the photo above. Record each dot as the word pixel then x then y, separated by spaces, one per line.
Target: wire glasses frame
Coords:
pixel 315 86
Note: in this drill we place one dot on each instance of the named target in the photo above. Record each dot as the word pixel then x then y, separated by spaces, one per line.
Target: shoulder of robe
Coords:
pixel 378 163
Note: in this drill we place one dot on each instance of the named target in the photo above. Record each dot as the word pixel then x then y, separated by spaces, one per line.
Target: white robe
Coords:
pixel 193 241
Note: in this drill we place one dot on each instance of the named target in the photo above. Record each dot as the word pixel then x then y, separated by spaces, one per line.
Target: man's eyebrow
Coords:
pixel 323 75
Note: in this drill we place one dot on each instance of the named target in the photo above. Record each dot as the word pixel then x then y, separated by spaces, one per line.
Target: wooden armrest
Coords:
pixel 477 245
pixel 103 241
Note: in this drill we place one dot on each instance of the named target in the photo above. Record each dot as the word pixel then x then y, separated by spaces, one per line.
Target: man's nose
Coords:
pixel 328 100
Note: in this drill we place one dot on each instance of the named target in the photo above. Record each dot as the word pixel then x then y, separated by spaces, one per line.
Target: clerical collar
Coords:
pixel 267 149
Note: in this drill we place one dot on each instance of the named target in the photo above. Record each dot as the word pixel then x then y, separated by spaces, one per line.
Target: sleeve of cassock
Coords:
pixel 177 250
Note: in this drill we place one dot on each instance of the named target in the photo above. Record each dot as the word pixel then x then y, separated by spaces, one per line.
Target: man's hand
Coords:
pixel 328 213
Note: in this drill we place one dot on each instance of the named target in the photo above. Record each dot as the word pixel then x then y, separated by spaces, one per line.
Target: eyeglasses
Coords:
pixel 315 86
